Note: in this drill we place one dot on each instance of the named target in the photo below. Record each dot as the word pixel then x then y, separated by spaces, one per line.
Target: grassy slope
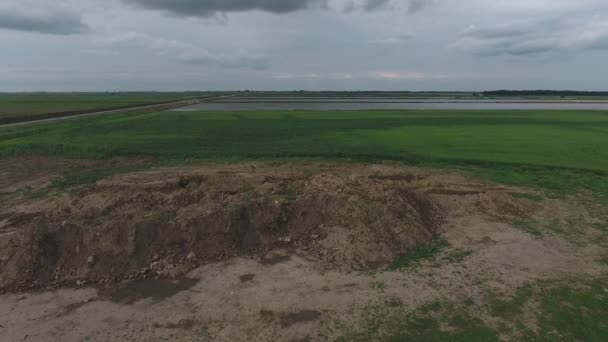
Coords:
pixel 18 106
pixel 556 150
pixel 565 312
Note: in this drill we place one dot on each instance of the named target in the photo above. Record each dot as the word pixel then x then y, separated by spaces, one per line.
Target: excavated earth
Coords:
pixel 163 223
pixel 302 227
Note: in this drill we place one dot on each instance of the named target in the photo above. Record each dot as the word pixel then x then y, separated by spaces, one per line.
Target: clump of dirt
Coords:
pixel 161 224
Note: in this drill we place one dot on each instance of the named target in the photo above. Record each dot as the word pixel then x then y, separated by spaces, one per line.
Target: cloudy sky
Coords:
pixel 113 45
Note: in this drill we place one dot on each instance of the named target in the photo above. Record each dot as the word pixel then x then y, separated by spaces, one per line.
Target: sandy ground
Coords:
pixel 308 287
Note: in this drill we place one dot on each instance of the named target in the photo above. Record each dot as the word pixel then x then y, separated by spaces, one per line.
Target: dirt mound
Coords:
pixel 164 223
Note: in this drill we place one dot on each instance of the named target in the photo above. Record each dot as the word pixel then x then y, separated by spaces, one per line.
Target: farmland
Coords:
pixel 560 150
pixel 27 106
pixel 332 225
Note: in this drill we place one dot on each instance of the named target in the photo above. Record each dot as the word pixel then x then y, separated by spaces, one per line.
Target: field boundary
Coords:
pixel 50 117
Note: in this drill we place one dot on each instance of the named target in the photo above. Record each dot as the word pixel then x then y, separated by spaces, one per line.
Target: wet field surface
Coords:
pixel 282 103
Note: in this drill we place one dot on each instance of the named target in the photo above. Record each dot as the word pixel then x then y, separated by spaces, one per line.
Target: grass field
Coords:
pixel 17 107
pixel 565 313
pixel 557 150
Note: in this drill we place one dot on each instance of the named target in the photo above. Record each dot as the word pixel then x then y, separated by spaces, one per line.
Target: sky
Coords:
pixel 175 45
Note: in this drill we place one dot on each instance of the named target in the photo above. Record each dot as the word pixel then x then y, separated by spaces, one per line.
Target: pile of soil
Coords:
pixel 161 224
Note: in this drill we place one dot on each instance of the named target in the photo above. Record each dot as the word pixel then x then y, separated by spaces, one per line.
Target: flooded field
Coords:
pixel 253 104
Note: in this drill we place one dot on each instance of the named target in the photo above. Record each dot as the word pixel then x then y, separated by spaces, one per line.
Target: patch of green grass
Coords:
pixel 469 302
pixel 291 192
pixel 9 195
pixel 555 226
pixel 430 308
pixel 76 178
pixel 419 253
pixel 570 314
pixel 378 285
pixel 560 151
pixel 432 322
pixel 427 329
pixel 457 255
pixel 602 226
pixel 557 182
pixel 538 312
pixel 68 181
pixel 529 226
pixel 566 312
pixel 510 308
pixel 540 229
pixel 531 197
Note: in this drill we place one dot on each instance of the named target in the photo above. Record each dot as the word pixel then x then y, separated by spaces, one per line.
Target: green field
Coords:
pixel 557 151
pixel 27 106
pixel 560 150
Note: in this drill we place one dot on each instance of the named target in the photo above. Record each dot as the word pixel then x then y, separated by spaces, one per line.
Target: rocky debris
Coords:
pixel 286 239
pixel 191 257
pixel 162 224
pixel 91 261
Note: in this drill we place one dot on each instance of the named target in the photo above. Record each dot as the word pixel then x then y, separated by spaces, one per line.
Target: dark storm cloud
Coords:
pixel 212 7
pixel 302 44
pixel 529 38
pixel 371 5
pixel 44 20
pixel 245 62
pixel 374 5
pixel 514 48
pixel 418 5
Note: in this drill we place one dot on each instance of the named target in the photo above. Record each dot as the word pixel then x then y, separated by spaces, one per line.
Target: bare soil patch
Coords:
pixel 162 224
pixel 36 172
pixel 272 251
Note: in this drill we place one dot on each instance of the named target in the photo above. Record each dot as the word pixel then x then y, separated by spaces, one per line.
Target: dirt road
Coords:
pixel 156 107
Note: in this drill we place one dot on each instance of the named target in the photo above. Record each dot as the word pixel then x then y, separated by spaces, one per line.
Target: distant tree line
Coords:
pixel 563 93
pixel 305 93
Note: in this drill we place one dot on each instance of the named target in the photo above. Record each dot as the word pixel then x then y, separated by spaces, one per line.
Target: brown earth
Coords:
pixel 268 251
pixel 163 223
pixel 35 173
